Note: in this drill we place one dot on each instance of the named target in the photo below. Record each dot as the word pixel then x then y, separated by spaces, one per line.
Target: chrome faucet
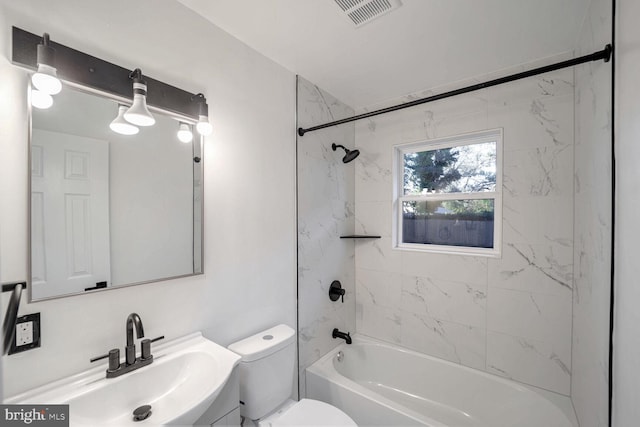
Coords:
pixel 130 349
pixel 131 363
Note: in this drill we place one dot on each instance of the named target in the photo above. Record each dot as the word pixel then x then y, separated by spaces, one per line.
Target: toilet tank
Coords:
pixel 266 370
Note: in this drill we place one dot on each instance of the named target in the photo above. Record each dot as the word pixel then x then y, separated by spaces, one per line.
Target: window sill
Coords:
pixel 449 250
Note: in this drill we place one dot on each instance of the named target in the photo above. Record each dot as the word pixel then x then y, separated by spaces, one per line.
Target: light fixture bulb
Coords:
pixel 138 114
pixel 203 126
pixel 40 99
pixel 46 80
pixel 184 133
pixel 120 125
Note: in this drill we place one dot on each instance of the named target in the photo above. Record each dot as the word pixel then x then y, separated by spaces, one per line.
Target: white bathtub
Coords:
pixel 379 384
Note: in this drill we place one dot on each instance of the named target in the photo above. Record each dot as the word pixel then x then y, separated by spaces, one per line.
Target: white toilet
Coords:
pixel 266 379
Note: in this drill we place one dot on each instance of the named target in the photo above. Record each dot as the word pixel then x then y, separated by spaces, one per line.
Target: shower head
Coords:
pixel 349 155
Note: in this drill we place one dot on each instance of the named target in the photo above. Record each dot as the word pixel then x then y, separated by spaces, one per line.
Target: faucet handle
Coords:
pixel 336 291
pixel 95 359
pixel 161 337
pixel 145 352
pixel 114 359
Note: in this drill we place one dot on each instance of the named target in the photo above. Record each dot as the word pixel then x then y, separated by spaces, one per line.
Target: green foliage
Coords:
pixel 476 207
pixel 431 170
pixel 462 209
pixel 464 169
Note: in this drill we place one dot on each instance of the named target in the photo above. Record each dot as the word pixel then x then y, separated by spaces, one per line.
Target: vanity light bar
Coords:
pixel 86 70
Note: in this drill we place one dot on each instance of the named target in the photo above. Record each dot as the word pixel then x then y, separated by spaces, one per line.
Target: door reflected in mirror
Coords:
pixel 110 210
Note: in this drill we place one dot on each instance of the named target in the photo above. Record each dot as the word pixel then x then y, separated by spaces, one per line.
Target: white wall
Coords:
pixel 325 212
pixel 510 316
pixel 592 226
pixel 250 264
pixel 626 378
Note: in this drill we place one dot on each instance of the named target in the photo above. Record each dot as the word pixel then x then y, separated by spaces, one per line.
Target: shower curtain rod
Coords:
pixel 604 54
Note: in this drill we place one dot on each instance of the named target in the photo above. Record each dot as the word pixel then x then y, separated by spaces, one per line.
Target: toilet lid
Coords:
pixel 309 412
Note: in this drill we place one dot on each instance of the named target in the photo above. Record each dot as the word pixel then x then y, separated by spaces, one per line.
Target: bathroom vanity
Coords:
pixel 225 410
pixel 192 381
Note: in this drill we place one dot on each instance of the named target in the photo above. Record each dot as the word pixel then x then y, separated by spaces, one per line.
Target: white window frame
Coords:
pixel 491 135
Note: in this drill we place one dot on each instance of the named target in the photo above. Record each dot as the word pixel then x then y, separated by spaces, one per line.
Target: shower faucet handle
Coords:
pixel 336 291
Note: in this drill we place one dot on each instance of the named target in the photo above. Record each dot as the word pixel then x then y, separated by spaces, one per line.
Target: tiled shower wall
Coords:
pixel 509 316
pixel 592 254
pixel 325 212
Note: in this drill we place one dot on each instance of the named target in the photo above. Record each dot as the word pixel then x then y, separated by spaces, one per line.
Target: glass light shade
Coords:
pixel 46 80
pixel 203 126
pixel 40 99
pixel 120 125
pixel 138 113
pixel 184 133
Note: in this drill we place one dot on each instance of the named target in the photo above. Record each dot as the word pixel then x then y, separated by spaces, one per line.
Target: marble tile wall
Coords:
pixel 325 212
pixel 509 316
pixel 592 249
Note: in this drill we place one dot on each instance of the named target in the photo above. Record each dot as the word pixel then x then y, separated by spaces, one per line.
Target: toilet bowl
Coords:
pixel 266 374
pixel 306 412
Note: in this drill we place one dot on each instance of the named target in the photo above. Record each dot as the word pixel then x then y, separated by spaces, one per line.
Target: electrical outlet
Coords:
pixel 24 333
pixel 27 333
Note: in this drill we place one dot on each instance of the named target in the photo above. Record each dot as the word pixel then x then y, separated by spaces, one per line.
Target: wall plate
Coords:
pixel 34 318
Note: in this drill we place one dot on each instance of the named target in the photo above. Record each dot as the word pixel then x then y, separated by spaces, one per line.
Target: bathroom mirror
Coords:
pixel 110 210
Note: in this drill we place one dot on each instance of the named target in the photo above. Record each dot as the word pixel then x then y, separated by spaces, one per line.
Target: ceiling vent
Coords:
pixel 361 12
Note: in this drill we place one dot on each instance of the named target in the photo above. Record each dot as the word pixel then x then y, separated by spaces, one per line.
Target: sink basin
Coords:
pixel 184 379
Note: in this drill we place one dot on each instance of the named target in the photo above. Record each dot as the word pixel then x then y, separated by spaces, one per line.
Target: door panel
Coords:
pixel 70 209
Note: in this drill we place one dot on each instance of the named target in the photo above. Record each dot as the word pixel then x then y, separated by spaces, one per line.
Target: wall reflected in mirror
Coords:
pixel 109 209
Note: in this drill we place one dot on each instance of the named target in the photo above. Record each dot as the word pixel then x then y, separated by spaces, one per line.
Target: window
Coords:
pixel 447 194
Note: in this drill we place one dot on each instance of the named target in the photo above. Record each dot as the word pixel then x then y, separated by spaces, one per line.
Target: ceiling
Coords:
pixel 421 45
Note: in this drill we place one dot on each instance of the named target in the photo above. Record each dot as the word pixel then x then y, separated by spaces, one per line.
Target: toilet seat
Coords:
pixel 308 412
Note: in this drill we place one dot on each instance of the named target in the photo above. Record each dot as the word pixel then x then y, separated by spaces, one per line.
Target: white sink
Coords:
pixel 184 379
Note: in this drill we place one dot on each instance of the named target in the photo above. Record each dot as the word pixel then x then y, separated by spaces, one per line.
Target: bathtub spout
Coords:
pixel 337 334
